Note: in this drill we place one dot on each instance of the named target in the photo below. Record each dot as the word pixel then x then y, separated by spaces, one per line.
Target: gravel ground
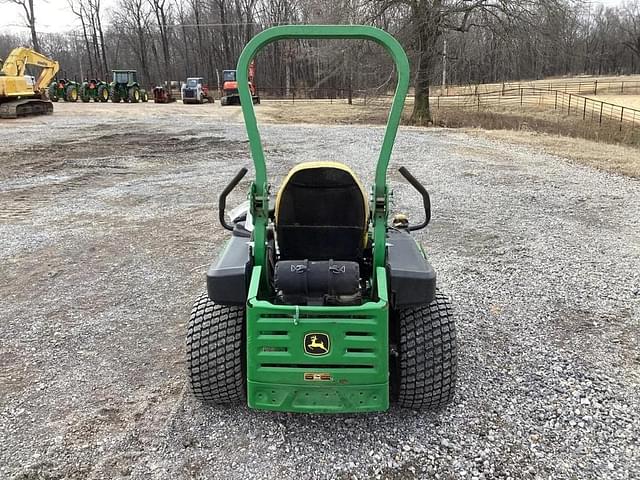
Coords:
pixel 107 226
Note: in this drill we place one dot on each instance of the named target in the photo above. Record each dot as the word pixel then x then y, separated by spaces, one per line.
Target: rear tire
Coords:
pixel 215 352
pixel 425 372
pixel 134 94
pixel 53 94
pixel 103 93
pixel 115 97
pixel 71 93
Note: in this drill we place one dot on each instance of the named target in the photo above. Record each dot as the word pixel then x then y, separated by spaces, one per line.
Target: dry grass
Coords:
pixel 580 141
pixel 542 119
pixel 510 124
pixel 631 101
pixel 322 112
pixel 605 83
pixel 618 159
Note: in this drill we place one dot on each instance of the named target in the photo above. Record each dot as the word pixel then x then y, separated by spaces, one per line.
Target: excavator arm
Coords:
pixel 15 65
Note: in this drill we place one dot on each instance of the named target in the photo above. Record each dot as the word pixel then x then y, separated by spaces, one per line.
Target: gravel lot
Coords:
pixel 107 226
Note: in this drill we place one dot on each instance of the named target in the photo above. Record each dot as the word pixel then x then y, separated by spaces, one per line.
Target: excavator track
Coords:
pixel 25 107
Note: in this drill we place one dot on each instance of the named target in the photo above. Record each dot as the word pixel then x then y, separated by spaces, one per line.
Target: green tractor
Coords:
pixel 65 89
pixel 318 303
pixel 125 87
pixel 95 90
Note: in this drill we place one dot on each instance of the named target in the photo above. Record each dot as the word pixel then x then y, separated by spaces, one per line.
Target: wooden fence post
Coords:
pixel 520 96
pixel 569 107
pixel 555 106
pixel 584 109
pixel 621 117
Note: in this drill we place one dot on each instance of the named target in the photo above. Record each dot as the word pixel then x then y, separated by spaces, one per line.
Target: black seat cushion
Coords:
pixel 321 214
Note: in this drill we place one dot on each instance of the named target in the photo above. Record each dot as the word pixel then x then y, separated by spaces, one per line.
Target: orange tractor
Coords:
pixel 229 95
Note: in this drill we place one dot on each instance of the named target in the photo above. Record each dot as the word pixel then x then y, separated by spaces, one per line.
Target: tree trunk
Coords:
pixel 421 114
pixel 32 25
pixel 86 42
pixel 105 66
pixel 31 21
pixel 225 34
pixel 165 44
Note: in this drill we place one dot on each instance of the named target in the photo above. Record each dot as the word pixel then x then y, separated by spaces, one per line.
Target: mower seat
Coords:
pixel 321 213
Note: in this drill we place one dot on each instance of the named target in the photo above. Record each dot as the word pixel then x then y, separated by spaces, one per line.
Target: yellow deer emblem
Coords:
pixel 316 343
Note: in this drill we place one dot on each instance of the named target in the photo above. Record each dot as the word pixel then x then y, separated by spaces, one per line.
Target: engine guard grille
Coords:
pixel 317 359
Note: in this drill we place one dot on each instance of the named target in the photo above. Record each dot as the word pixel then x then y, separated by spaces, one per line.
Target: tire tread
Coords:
pixel 215 346
pixel 428 355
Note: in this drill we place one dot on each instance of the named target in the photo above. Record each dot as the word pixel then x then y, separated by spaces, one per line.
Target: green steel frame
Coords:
pixel 353 375
pixel 259 189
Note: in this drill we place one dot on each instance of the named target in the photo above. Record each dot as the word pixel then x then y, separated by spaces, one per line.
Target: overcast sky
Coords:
pixel 55 15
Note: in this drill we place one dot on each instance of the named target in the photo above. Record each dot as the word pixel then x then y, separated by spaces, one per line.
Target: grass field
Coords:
pixel 631 101
pixel 538 126
pixel 605 84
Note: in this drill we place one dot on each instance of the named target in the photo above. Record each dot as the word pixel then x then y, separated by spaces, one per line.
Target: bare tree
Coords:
pixel 30 19
pixel 631 27
pixel 487 41
pixel 77 8
pixel 132 16
pixel 428 20
pixel 96 22
pixel 162 11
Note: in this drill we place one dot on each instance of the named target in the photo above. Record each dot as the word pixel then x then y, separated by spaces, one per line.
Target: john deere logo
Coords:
pixel 316 344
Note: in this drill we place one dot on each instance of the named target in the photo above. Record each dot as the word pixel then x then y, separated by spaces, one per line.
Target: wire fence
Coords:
pixel 569 104
pixel 565 98
pixel 365 96
pixel 577 87
pixel 305 94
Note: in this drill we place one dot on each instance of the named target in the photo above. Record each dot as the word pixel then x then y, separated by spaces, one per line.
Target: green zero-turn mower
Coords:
pixel 318 304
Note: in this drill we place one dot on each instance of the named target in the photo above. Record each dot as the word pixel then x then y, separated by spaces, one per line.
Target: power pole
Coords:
pixel 287 71
pixel 444 66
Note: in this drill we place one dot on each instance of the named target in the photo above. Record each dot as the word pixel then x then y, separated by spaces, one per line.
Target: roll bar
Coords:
pixel 259 189
pixel 360 32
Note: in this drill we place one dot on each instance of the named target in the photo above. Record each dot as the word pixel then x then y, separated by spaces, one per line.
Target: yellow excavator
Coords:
pixel 22 94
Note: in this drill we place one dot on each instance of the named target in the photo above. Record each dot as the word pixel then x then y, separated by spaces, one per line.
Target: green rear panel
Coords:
pixel 351 377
